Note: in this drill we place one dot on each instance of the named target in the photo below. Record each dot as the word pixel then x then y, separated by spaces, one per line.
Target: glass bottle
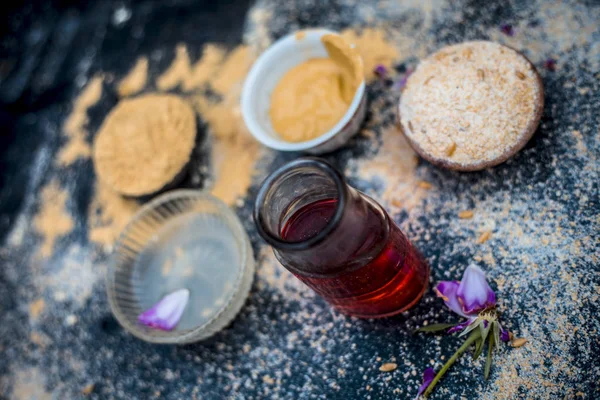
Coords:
pixel 338 241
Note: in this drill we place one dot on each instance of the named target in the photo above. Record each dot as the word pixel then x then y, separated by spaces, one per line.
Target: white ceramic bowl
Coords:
pixel 266 72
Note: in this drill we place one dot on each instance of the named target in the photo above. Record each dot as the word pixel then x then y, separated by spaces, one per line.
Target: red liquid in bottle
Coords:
pixel 392 278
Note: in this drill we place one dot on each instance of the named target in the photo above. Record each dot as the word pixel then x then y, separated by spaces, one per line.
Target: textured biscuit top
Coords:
pixel 471 105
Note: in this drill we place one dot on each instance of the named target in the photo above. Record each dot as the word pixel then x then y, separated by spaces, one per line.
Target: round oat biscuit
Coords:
pixel 472 105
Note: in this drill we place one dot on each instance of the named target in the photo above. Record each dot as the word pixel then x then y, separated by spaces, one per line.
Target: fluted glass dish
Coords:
pixel 183 239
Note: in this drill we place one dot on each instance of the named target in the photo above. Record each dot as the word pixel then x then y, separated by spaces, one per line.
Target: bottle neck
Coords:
pixel 316 223
pixel 357 237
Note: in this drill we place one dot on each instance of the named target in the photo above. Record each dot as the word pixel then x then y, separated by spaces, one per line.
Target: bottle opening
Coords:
pixel 300 203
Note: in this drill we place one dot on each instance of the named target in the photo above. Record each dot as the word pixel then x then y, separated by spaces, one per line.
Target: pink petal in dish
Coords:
pixel 165 314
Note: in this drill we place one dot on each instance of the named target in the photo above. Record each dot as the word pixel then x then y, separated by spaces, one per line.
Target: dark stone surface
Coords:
pixel 543 205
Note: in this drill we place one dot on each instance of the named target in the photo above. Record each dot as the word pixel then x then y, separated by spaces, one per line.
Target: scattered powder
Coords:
pixel 178 252
pixel 579 142
pixel 188 270
pixel 232 70
pixel 71 320
pixel 166 267
pixel 57 279
pixel 17 233
pixel 145 143
pixel 562 28
pixel 234 160
pixel 52 220
pixel 544 290
pixel 108 214
pixel 471 105
pixel 36 308
pixel 179 71
pixel 395 164
pixel 39 339
pixel 29 384
pixel 258 35
pixel 135 80
pixel 272 275
pixel 374 48
pixel 182 72
pixel 234 150
pixel 74 128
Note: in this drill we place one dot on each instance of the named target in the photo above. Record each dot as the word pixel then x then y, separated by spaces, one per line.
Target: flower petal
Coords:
pixel 461 326
pixel 474 293
pixel 504 335
pixel 447 291
pixel 475 322
pixel 380 70
pixel 507 29
pixel 165 314
pixel 550 64
pixel 428 376
pixel 402 83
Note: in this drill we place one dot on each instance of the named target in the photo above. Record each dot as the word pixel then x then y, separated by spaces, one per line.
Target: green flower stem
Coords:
pixel 488 361
pixel 476 334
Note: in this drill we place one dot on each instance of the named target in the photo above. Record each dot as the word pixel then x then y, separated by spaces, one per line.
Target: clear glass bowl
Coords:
pixel 182 239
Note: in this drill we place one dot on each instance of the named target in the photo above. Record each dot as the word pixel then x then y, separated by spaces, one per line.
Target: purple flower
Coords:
pixel 428 376
pixel 474 299
pixel 550 64
pixel 165 314
pixel 402 82
pixel 507 29
pixel 380 70
pixel 474 293
pixel 461 326
pixel 469 296
pixel 504 335
pixel 447 291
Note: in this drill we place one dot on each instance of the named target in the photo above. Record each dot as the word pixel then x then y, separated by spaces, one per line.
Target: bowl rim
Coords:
pixel 264 62
pixel 193 334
